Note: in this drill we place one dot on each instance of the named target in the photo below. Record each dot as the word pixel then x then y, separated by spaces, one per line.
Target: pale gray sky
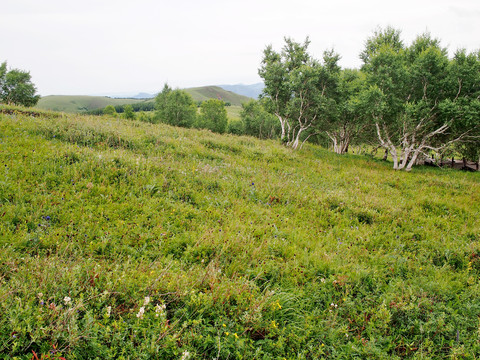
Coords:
pixel 108 46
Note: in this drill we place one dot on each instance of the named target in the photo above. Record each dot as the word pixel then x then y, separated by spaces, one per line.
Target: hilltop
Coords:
pixel 215 92
pixel 83 103
pixel 127 239
pixel 80 103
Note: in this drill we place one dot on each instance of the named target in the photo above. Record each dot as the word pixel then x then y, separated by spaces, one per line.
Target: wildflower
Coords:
pixel 224 325
pixel 185 355
pixel 109 310
pixel 67 300
pixel 141 312
pixel 160 310
pixel 146 300
pixel 40 295
pixel 227 333
pixel 334 305
pixel 236 336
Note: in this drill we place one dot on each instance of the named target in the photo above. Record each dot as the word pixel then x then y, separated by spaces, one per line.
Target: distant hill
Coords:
pixel 215 92
pixel 80 103
pixel 83 103
pixel 252 91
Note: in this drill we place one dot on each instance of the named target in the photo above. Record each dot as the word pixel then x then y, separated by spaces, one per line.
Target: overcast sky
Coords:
pixel 107 46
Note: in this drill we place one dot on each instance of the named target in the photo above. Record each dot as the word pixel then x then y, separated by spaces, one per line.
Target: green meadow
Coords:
pixel 80 103
pixel 84 103
pixel 128 240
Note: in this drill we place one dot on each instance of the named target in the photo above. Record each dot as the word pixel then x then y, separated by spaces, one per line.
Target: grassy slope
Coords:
pixel 214 92
pixel 79 103
pixel 256 251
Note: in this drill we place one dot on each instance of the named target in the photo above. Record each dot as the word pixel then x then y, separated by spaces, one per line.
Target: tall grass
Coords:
pixel 124 239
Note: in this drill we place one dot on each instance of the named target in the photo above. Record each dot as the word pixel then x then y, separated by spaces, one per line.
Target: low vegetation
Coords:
pixel 122 239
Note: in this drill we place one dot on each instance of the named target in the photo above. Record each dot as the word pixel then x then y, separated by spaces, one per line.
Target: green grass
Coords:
pixel 233 112
pixel 80 103
pixel 214 92
pixel 257 252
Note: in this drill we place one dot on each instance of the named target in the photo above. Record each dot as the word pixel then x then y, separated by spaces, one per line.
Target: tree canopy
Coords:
pixel 175 107
pixel 213 116
pixel 16 87
pixel 413 99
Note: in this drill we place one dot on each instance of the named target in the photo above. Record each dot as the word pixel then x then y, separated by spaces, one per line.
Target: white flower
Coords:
pixel 185 355
pixel 146 301
pixel 109 310
pixel 141 312
pixel 160 310
pixel 40 295
pixel 67 300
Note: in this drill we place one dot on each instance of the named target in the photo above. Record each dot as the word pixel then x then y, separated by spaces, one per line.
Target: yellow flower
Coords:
pixel 224 325
pixel 227 333
pixel 236 336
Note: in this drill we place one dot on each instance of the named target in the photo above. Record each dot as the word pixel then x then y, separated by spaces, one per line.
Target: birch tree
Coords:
pixel 418 98
pixel 292 89
pixel 345 120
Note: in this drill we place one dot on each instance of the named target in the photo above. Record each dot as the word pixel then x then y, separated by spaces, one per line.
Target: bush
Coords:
pixel 213 116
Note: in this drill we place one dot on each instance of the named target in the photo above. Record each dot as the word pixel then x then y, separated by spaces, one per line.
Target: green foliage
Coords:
pixel 213 116
pixel 109 110
pixel 128 112
pixel 236 127
pixel 141 240
pixel 424 101
pixel 175 107
pixel 258 122
pixel 16 87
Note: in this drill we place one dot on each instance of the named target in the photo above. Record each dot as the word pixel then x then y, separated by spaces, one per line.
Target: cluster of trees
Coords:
pixel 16 87
pixel 119 109
pixel 411 100
pixel 177 107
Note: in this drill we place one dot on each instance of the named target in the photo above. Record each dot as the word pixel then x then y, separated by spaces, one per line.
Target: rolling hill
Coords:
pixel 79 103
pixel 82 103
pixel 215 92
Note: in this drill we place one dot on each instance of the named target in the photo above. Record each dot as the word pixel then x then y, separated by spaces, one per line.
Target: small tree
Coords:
pixel 128 112
pixel 213 116
pixel 109 110
pixel 258 122
pixel 16 87
pixel 175 107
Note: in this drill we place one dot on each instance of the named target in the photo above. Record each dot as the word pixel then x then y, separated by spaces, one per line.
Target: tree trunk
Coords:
pixel 385 156
pixel 413 160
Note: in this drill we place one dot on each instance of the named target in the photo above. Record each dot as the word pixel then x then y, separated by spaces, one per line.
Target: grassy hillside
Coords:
pixel 215 92
pixel 80 103
pixel 130 240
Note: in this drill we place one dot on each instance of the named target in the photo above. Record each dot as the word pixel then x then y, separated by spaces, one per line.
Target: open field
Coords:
pixel 125 240
pixel 80 103
pixel 233 112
